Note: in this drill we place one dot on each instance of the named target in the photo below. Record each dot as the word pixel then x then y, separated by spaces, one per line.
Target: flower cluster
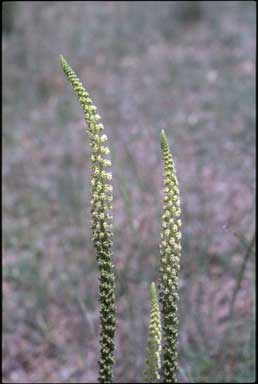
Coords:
pixel 170 252
pixel 101 216
pixel 154 340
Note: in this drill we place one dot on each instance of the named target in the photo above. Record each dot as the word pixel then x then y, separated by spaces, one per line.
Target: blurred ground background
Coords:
pixel 187 67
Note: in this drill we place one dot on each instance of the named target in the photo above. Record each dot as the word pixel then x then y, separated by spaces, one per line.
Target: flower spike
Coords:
pixel 101 220
pixel 154 340
pixel 170 252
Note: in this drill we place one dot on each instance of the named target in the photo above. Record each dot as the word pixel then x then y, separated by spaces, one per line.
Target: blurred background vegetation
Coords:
pixel 187 67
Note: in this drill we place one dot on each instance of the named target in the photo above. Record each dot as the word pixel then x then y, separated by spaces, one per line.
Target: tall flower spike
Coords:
pixel 151 373
pixel 101 218
pixel 170 252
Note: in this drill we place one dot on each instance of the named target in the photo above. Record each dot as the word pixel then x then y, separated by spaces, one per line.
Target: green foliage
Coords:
pixel 101 209
pixel 154 340
pixel 170 249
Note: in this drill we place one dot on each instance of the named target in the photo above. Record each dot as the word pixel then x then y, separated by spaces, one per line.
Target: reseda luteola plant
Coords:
pixel 170 251
pixel 101 216
pixel 152 374
pixel 170 248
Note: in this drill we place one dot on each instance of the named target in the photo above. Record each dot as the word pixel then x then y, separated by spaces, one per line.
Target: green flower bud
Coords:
pixel 107 163
pixel 108 175
pixel 92 108
pixel 103 138
pixel 104 150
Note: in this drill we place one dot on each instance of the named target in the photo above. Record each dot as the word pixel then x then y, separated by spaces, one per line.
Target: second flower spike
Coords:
pixel 154 340
pixel 170 253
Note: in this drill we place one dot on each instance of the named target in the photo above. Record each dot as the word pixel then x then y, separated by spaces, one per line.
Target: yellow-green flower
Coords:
pixel 154 340
pixel 170 252
pixel 101 223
